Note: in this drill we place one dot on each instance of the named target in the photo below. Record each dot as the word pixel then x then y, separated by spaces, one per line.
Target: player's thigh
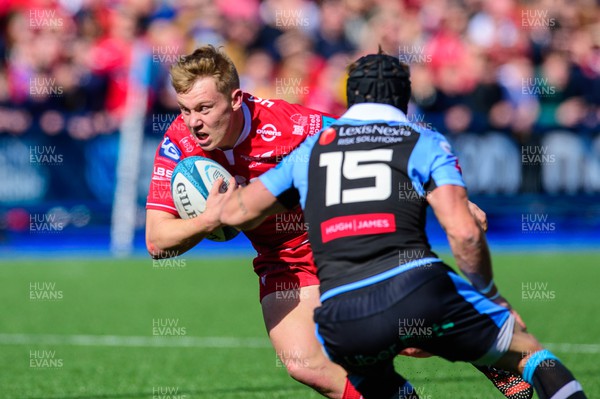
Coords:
pixel 459 323
pixel 360 341
pixel 289 321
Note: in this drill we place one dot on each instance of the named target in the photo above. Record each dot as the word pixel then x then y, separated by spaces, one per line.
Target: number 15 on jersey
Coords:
pixel 353 165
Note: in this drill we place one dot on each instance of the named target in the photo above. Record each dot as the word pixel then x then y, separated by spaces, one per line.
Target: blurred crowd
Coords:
pixel 501 78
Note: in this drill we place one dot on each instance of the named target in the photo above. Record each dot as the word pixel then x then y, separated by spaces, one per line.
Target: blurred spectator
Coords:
pixel 330 37
pixel 298 63
pixel 111 56
pixel 498 77
pixel 382 29
pixel 328 88
pixel 257 76
pixel 498 30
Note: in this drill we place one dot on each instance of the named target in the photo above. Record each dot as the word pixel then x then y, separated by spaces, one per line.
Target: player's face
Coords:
pixel 210 115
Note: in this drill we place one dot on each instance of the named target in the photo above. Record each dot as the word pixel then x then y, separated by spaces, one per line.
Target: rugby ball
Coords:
pixel 191 182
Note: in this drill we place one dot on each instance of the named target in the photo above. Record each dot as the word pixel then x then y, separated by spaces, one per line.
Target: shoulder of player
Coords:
pixel 281 124
pixel 429 134
pixel 267 103
pixel 435 141
pixel 277 107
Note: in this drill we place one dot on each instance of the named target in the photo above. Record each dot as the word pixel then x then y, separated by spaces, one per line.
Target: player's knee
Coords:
pixel 533 346
pixel 533 343
pixel 522 346
pixel 308 371
pixel 301 370
pixel 525 343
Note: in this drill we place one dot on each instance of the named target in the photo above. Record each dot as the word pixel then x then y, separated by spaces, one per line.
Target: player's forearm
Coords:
pixel 246 208
pixel 172 237
pixel 472 255
pixel 465 234
pixel 237 213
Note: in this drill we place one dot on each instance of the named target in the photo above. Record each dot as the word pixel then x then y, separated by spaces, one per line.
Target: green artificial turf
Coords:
pixel 87 329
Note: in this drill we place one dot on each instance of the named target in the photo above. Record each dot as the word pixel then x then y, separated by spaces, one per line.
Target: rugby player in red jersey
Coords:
pixel 248 136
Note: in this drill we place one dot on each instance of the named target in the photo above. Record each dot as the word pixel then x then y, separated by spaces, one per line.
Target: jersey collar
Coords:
pixel 247 125
pixel 374 111
pixel 243 136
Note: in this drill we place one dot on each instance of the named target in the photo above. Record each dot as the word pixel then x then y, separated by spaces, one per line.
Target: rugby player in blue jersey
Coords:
pixel 377 272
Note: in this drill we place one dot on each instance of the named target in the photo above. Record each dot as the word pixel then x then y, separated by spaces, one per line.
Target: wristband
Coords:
pixel 494 296
pixel 487 289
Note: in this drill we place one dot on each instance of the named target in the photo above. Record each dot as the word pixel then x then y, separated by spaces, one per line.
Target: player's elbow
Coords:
pixel 152 249
pixel 466 234
pixel 156 251
pixel 153 237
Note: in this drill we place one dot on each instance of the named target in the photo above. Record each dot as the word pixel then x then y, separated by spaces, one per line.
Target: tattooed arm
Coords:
pixel 247 207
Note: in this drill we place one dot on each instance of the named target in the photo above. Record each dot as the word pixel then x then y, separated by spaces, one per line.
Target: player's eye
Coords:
pixel 185 110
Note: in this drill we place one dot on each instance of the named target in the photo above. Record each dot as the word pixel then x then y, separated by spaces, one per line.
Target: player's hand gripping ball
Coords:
pixel 192 180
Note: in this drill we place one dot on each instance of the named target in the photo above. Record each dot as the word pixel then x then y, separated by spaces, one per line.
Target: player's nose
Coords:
pixel 196 121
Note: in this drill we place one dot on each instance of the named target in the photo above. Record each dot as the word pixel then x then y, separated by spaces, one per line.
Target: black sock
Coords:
pixel 549 376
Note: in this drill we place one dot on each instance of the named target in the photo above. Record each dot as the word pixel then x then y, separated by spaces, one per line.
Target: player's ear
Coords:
pixel 236 99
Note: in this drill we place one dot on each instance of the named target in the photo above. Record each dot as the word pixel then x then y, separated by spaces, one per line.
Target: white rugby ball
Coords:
pixel 192 180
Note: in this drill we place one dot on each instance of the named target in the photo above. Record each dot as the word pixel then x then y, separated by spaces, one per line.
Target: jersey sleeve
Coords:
pixel 432 164
pixel 159 194
pixel 288 181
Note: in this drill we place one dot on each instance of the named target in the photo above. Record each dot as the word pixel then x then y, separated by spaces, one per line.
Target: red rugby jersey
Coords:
pixel 272 129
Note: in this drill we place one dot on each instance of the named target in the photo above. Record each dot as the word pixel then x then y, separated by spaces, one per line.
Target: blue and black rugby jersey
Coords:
pixel 362 184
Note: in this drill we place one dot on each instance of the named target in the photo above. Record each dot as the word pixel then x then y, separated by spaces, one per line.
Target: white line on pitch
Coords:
pixel 134 341
pixel 196 342
pixel 574 348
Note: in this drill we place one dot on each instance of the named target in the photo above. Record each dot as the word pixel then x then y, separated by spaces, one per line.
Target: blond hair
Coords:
pixel 205 61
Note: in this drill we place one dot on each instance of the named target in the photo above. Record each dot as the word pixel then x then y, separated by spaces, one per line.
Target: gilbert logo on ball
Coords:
pixel 192 180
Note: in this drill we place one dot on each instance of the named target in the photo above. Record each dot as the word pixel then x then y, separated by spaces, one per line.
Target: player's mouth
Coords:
pixel 203 138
